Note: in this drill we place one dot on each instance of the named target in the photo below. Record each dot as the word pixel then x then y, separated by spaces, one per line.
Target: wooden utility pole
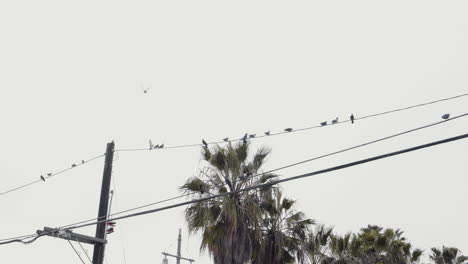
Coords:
pixel 98 253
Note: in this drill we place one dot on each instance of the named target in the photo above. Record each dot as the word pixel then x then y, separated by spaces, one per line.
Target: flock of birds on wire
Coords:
pixel 268 133
pixel 244 138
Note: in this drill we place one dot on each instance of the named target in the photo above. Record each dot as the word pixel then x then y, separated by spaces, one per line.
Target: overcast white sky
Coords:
pixel 70 82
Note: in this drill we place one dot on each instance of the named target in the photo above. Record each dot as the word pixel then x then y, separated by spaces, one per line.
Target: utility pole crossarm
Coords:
pixel 69 235
pixel 170 255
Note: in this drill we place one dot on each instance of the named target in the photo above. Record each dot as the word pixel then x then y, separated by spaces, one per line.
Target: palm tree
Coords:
pixel 229 224
pixel 345 249
pixel 448 255
pixel 284 231
pixel 386 246
pixel 317 244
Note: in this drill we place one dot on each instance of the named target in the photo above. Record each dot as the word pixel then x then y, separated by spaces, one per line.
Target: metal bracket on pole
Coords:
pixel 69 235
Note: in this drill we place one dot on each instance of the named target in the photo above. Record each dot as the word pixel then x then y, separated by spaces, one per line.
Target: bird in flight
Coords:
pixel 352 118
pixel 42 178
pixel 145 91
pixel 446 116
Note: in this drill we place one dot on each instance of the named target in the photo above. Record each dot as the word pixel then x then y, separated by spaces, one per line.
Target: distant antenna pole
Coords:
pixel 179 242
pixel 98 254
pixel 178 257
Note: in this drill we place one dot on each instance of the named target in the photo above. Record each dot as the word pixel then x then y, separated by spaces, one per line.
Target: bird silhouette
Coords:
pixel 145 91
pixel 267 133
pixel 42 178
pixel 324 123
pixel 446 116
pixel 252 135
pixel 161 146
pixel 334 121
pixel 204 143
pixel 288 129
pixel 73 165
pixel 244 139
pixel 202 188
pixel 225 139
pixel 82 161
pixel 49 174
pixel 151 146
pixel 351 118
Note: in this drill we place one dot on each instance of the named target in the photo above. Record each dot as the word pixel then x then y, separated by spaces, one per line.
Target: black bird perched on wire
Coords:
pixel 244 139
pixel 252 135
pixel 334 121
pixel 288 129
pixel 49 174
pixel 324 123
pixel 42 178
pixel 225 139
pixel 446 116
pixel 82 161
pixel 202 188
pixel 73 165
pixel 351 118
pixel 204 143
pixel 161 146
pixel 267 133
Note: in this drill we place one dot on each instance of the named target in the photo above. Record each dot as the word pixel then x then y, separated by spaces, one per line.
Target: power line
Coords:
pixel 5 241
pixel 284 167
pixel 50 175
pixel 260 174
pixel 357 146
pixel 310 174
pixel 335 168
pixel 300 129
pixel 78 254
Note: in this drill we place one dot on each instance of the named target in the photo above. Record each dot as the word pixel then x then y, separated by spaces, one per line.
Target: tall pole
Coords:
pixel 179 242
pixel 98 254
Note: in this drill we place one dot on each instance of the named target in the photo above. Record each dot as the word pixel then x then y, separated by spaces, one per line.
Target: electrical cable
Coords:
pixel 260 174
pixel 50 175
pixel 357 146
pixel 21 240
pixel 301 129
pixel 286 166
pixel 265 185
pixel 78 254
pixel 275 182
pixel 85 251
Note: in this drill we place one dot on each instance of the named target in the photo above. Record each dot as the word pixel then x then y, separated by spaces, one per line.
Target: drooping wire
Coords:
pixel 265 185
pixel 50 175
pixel 356 146
pixel 78 254
pixel 285 167
pixel 275 182
pixel 301 129
pixel 85 251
